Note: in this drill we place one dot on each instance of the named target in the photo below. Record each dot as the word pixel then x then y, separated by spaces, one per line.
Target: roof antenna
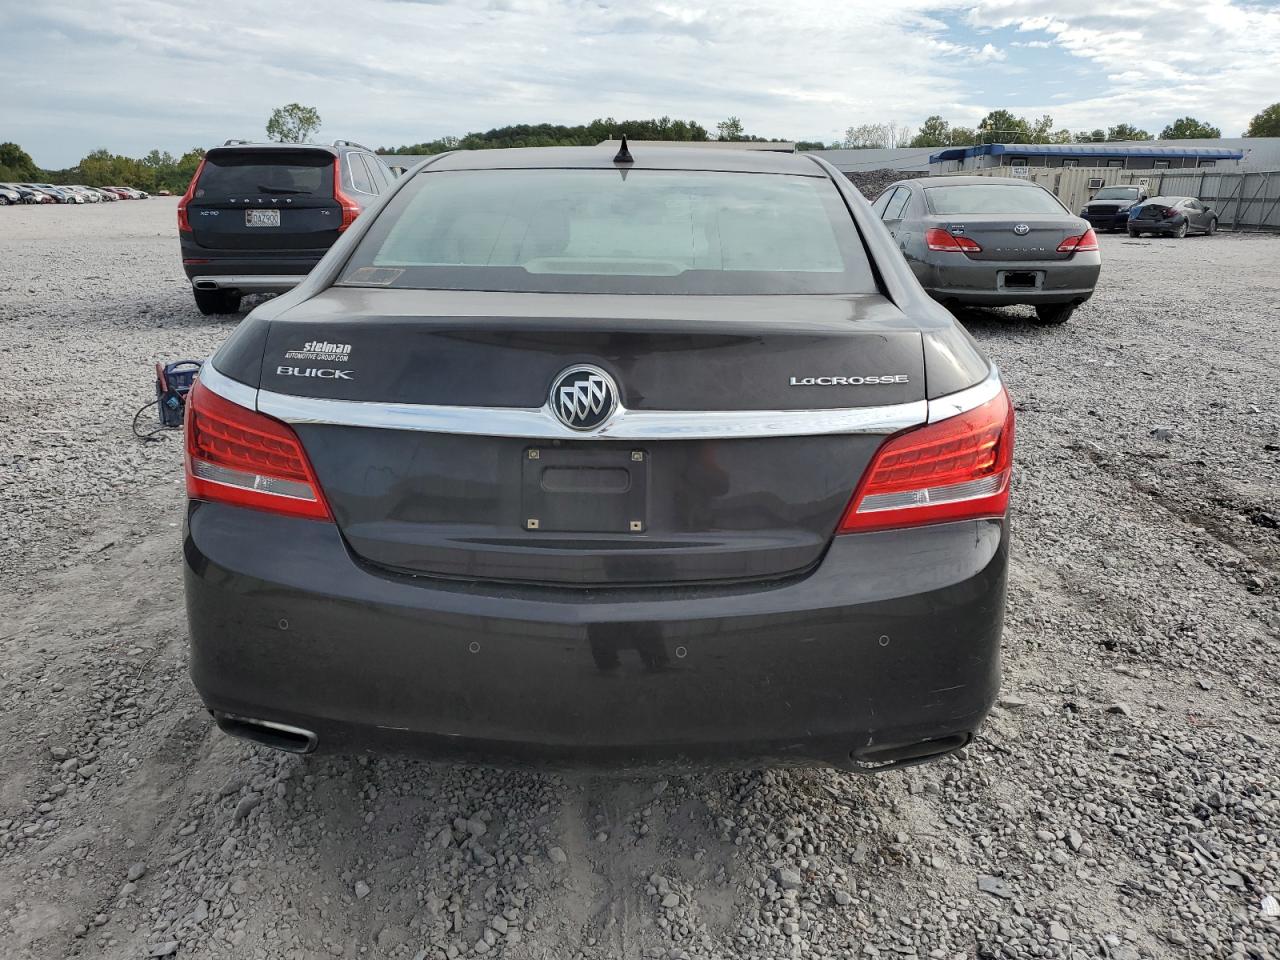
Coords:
pixel 623 155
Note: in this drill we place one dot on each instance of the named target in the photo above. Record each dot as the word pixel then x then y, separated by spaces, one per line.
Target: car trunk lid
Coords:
pixel 483 501
pixel 276 198
pixel 1009 237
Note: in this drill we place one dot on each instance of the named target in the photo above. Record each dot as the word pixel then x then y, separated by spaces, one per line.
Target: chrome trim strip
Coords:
pixel 251 283
pixel 541 424
pixel 226 388
pixel 954 404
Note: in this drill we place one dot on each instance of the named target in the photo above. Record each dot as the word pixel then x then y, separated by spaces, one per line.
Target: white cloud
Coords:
pixel 176 73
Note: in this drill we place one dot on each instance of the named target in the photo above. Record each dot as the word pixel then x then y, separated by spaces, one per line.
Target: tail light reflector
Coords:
pixel 956 469
pixel 184 225
pixel 245 458
pixel 1085 243
pixel 941 240
pixel 350 209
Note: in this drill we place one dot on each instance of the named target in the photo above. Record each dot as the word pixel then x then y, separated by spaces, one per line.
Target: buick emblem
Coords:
pixel 1022 229
pixel 584 397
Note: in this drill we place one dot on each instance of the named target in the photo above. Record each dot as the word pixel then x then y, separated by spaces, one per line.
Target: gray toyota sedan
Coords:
pixel 593 457
pixel 993 241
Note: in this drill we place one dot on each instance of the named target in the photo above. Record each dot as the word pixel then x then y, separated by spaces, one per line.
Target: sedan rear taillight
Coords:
pixel 955 469
pixel 1087 242
pixel 242 457
pixel 946 242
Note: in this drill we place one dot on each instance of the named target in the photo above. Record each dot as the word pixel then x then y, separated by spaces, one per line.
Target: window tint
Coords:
pixel 378 173
pixel 991 198
pixel 898 204
pixel 594 231
pixel 358 172
pixel 243 173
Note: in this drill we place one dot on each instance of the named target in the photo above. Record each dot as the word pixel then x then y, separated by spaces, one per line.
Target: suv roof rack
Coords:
pixel 351 143
pixel 233 142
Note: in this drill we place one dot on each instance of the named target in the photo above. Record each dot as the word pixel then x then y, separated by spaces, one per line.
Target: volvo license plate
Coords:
pixel 262 218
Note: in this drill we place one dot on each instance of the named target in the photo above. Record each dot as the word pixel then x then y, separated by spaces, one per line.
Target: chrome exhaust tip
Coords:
pixel 267 733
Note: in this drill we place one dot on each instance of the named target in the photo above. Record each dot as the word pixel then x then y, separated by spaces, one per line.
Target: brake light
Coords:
pixel 184 225
pixel 944 241
pixel 1085 243
pixel 350 209
pixel 1169 213
pixel 242 457
pixel 955 469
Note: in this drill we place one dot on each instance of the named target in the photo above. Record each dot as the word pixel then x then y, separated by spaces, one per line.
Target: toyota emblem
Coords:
pixel 583 397
pixel 1022 229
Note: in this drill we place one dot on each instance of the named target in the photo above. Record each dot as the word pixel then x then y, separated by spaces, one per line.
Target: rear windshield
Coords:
pixel 1117 193
pixel 244 173
pixel 991 198
pixel 602 231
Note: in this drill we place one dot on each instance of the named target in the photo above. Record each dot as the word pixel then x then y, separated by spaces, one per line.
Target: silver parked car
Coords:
pixel 993 241
pixel 1173 217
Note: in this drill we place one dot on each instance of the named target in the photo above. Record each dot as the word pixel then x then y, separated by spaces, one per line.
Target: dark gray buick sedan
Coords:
pixel 600 457
pixel 993 241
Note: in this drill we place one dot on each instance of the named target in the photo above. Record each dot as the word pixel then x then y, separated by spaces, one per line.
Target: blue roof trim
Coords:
pixel 1086 150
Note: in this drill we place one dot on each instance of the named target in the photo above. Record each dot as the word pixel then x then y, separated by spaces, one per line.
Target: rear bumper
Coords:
pixel 268 272
pixel 977 282
pixel 891 641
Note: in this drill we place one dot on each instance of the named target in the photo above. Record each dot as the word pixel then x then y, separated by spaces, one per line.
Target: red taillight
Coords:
pixel 944 241
pixel 350 210
pixel 1085 243
pixel 956 469
pixel 1169 213
pixel 184 225
pixel 239 456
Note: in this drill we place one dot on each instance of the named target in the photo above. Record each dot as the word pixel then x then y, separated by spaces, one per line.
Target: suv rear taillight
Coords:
pixel 238 456
pixel 184 225
pixel 944 241
pixel 1087 242
pixel 350 209
pixel 956 469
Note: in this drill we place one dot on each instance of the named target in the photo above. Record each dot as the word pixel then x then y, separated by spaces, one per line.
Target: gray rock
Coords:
pixel 166 949
pixel 361 890
pixel 789 878
pixel 136 870
pixel 995 886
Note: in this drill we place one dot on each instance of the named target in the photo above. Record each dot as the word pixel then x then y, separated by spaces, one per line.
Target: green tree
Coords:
pixel 1266 123
pixel 730 129
pixel 1042 130
pixel 1001 126
pixel 293 123
pixel 19 163
pixel 934 132
pixel 1189 128
pixel 1096 135
pixel 1127 131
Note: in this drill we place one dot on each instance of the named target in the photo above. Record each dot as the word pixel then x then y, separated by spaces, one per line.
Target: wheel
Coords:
pixel 210 302
pixel 1134 233
pixel 1181 231
pixel 1052 314
pixel 1213 227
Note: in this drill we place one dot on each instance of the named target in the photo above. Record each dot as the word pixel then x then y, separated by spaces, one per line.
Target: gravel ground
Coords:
pixel 1123 802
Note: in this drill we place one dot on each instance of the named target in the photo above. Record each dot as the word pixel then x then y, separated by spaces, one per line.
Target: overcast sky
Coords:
pixel 130 75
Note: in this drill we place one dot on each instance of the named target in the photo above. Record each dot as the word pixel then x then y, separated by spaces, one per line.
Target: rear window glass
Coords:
pixel 600 231
pixel 1117 193
pixel 991 198
pixel 244 173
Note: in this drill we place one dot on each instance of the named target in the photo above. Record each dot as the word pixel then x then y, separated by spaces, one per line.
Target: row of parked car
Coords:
pixel 48 193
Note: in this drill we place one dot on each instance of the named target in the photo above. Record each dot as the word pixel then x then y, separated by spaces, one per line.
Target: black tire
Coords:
pixel 1053 314
pixel 1213 227
pixel 1134 233
pixel 1181 231
pixel 5 201
pixel 211 302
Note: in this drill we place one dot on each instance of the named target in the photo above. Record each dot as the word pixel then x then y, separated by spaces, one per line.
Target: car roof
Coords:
pixel 645 157
pixel 273 145
pixel 971 181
